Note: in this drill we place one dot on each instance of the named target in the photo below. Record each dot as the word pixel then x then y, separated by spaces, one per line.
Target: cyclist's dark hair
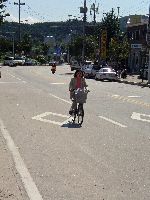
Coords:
pixel 77 71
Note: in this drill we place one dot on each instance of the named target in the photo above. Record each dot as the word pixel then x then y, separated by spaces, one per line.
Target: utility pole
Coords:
pixel 118 11
pixel 148 43
pixel 95 11
pixel 19 4
pixel 84 11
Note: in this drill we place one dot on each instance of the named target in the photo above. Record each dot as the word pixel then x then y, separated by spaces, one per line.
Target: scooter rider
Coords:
pixel 53 69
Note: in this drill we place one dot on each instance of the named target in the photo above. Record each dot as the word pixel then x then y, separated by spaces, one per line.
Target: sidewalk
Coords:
pixel 134 80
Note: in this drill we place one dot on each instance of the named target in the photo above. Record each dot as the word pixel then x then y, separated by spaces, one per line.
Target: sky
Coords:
pixel 58 10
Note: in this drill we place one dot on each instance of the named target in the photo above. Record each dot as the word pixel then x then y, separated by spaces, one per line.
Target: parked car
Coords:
pixel 30 62
pixel 74 65
pixel 106 74
pixel 95 69
pixel 144 72
pixel 87 71
pixel 19 60
pixel 9 61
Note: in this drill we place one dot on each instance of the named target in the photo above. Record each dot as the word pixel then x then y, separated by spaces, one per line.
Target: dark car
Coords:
pixel 144 72
pixel 30 62
pixel 51 63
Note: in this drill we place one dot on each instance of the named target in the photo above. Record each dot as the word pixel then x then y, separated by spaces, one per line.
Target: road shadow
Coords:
pixel 71 124
pixel 70 73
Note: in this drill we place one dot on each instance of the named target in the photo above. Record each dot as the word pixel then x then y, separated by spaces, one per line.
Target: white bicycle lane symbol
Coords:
pixel 141 117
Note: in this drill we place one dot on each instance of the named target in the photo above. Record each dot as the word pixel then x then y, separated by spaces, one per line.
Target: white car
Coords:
pixel 19 60
pixel 9 61
pixel 106 74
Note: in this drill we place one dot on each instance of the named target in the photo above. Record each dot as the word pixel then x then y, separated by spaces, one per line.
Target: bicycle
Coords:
pixel 80 97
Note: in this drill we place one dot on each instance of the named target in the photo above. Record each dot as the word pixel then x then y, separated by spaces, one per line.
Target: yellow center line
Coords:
pixel 123 98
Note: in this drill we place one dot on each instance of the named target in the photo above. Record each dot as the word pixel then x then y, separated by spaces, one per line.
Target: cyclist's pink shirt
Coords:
pixel 78 84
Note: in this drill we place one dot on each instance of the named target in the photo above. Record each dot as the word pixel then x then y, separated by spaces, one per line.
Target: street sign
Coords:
pixel 136 46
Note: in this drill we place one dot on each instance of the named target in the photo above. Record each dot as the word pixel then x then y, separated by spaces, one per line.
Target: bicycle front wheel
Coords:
pixel 80 114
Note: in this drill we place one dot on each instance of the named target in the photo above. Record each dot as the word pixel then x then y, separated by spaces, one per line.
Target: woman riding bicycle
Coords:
pixel 78 82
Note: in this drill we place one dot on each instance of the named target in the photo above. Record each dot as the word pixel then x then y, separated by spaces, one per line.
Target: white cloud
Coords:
pixel 28 20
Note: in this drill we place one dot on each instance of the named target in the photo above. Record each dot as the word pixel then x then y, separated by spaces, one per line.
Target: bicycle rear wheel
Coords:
pixel 80 114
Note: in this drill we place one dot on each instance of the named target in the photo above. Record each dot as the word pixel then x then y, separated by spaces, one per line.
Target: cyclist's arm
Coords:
pixel 71 85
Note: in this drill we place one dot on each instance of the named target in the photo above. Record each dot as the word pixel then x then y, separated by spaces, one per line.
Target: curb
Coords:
pixel 134 83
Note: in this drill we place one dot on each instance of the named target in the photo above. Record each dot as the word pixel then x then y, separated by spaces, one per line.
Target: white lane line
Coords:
pixel 57 83
pixel 26 178
pixel 134 96
pixel 113 122
pixel 8 82
pixel 16 77
pixel 59 98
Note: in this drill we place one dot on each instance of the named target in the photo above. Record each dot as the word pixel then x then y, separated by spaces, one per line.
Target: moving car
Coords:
pixel 106 74
pixel 52 62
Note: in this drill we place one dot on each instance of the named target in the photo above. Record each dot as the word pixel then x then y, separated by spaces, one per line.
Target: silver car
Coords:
pixel 106 74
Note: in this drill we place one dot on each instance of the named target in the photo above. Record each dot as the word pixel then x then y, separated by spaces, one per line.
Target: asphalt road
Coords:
pixel 108 158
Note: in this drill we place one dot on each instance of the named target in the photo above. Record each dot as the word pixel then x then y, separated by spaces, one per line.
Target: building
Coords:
pixel 137 33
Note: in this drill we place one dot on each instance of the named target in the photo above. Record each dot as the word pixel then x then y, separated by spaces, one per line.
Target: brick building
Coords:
pixel 137 33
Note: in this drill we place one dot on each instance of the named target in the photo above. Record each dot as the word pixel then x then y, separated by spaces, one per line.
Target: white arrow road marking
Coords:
pixel 113 122
pixel 26 178
pixel 41 118
pixel 138 116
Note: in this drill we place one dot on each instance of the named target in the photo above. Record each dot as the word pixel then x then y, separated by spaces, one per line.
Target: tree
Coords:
pixel 110 23
pixel 26 44
pixel 117 43
pixel 2 11
pixel 119 50
pixel 91 45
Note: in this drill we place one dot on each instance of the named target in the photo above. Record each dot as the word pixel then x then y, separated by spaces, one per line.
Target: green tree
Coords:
pixel 91 45
pixel 26 44
pixel 119 50
pixel 2 11
pixel 117 43
pixel 110 23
